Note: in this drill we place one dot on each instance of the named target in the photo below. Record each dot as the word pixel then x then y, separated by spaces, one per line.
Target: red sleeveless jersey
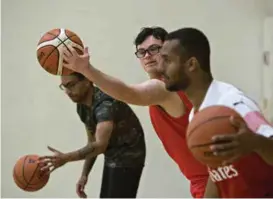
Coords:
pixel 172 133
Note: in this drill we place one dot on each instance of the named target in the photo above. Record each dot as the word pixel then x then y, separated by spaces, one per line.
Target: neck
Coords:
pixel 88 98
pixel 197 91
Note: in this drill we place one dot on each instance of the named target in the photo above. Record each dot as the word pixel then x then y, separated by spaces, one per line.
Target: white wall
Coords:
pixel 267 86
pixel 269 7
pixel 36 113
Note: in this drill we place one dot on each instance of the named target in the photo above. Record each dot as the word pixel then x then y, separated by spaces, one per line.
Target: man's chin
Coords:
pixel 75 99
pixel 150 69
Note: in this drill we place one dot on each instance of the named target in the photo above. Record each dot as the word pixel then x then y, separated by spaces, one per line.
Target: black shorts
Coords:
pixel 119 182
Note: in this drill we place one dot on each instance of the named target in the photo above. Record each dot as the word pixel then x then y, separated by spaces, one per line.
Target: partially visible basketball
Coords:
pixel 211 121
pixel 27 174
pixel 50 49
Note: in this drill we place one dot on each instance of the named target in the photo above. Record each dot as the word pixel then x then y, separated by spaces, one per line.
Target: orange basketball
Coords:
pixel 27 174
pixel 214 120
pixel 50 50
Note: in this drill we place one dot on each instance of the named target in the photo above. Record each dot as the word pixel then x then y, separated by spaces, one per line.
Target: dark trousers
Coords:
pixel 120 182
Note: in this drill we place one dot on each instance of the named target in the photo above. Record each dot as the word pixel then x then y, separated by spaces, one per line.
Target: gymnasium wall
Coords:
pixel 36 113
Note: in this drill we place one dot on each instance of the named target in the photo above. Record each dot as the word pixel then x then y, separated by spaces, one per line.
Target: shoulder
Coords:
pixel 240 102
pixel 100 97
pixel 235 97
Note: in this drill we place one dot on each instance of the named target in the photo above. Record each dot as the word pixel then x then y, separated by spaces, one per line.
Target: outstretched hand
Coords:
pixel 50 163
pixel 74 61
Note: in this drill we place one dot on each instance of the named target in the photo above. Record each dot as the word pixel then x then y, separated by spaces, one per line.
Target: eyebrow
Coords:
pixel 149 47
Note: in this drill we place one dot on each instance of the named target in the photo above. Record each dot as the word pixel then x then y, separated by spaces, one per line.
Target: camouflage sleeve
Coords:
pixel 105 111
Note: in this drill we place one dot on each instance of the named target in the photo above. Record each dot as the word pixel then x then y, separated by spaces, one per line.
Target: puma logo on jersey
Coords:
pixel 223 173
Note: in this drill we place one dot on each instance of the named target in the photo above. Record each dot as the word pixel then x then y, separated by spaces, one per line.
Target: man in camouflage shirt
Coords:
pixel 112 129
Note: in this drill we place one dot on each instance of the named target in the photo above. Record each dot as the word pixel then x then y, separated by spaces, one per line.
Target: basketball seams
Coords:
pixel 60 59
pixel 23 172
pixel 18 180
pixel 201 145
pixel 33 174
pixel 50 33
pixel 204 122
pixel 28 182
pixel 213 120
pixel 208 120
pixel 57 48
pixel 26 174
pixel 50 51
pixel 29 188
pixel 65 43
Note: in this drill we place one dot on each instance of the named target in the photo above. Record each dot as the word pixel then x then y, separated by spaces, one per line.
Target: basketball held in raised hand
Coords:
pixel 50 50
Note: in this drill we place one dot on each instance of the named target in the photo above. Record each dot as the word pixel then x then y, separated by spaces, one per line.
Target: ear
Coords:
pixel 192 64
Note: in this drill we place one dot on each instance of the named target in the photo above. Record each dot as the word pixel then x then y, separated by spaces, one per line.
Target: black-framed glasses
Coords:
pixel 152 50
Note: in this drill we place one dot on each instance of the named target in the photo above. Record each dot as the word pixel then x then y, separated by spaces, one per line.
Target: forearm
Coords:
pixel 110 85
pixel 88 165
pixel 91 150
pixel 265 148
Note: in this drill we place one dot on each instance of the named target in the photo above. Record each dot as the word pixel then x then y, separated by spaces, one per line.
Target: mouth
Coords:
pixel 150 63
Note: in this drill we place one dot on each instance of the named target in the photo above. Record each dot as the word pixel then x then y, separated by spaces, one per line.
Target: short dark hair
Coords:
pixel 157 32
pixel 195 43
pixel 78 75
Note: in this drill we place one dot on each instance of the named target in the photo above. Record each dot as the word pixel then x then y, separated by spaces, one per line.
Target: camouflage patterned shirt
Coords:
pixel 126 146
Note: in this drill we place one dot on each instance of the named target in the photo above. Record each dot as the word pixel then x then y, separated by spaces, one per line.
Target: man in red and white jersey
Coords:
pixel 249 171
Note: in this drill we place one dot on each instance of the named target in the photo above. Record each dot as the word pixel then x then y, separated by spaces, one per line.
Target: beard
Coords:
pixel 76 98
pixel 79 97
pixel 181 85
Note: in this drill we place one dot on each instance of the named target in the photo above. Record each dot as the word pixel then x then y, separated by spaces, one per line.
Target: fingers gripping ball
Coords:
pixel 50 50
pixel 211 121
pixel 27 174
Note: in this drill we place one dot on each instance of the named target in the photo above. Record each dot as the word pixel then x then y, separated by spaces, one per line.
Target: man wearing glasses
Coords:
pixel 169 111
pixel 114 130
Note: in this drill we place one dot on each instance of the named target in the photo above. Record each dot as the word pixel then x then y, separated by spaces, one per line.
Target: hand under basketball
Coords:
pixel 74 61
pixel 235 145
pixel 52 162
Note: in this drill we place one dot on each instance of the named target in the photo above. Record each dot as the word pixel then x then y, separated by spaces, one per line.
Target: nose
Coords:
pixel 147 55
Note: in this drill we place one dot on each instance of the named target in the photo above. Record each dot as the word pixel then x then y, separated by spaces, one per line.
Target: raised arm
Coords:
pixel 151 92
